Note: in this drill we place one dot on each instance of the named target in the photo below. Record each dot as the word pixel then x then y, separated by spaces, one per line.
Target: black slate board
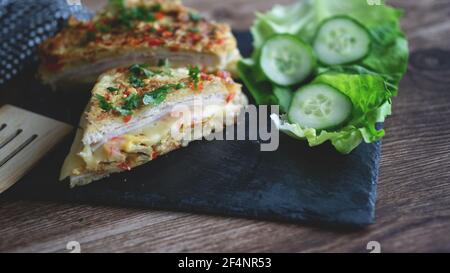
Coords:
pixel 295 183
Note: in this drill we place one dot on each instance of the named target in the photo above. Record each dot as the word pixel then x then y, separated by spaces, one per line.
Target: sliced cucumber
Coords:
pixel 319 106
pixel 286 60
pixel 341 40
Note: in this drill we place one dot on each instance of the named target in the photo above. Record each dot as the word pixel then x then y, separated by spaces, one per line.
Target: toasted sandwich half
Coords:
pixel 136 31
pixel 138 113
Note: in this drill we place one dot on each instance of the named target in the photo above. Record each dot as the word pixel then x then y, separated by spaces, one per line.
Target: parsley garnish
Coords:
pixel 180 85
pixel 135 81
pixel 194 73
pixel 195 17
pixel 194 30
pixel 155 97
pixel 104 104
pixel 140 14
pixel 156 7
pixel 133 101
pixel 140 70
pixel 165 67
pixel 158 95
pixel 122 111
pixel 137 73
pixel 116 4
pixel 126 16
pixel 112 89
pixel 162 62
pixel 102 27
pixel 130 103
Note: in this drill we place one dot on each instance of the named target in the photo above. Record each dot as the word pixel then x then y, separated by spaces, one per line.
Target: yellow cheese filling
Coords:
pixel 142 145
pixel 128 147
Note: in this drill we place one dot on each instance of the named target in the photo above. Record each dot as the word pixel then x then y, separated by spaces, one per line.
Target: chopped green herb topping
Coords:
pixel 158 95
pixel 112 89
pixel 195 17
pixel 133 101
pixel 116 4
pixel 194 30
pixel 139 14
pixel 194 73
pixel 104 104
pixel 102 27
pixel 141 70
pixel 122 111
pixel 164 63
pixel 135 81
pixel 157 7
pixel 126 16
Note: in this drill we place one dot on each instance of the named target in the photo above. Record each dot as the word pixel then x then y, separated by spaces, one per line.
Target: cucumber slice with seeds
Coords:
pixel 341 40
pixel 319 106
pixel 286 60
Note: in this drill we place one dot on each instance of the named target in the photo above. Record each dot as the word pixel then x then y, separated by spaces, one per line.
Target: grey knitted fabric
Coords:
pixel 24 24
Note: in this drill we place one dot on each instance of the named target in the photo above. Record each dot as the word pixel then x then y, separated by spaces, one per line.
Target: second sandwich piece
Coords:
pixel 138 31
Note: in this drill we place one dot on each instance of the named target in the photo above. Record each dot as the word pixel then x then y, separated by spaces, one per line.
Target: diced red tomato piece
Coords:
pixel 167 34
pixel 155 42
pixel 230 97
pixel 223 74
pixel 124 166
pixel 174 48
pixel 159 15
pixel 127 119
pixel 195 36
pixel 204 76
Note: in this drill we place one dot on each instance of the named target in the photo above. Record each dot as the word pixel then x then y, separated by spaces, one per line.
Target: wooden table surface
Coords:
pixel 413 207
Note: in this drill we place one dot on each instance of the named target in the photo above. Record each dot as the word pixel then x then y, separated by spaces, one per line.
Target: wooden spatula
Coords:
pixel 25 137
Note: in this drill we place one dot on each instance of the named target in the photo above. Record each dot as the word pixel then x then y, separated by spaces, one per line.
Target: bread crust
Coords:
pixel 81 46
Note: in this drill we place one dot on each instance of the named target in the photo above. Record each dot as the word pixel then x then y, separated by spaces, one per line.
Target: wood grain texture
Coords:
pixel 413 208
pixel 25 138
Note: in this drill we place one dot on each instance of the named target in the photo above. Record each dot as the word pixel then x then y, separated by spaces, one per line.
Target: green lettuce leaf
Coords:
pixel 389 54
pixel 369 98
pixel 259 88
pixel 370 83
pixel 293 19
pixel 284 96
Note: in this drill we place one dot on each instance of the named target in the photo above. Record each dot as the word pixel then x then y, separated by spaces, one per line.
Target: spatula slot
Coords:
pixel 10 138
pixel 18 149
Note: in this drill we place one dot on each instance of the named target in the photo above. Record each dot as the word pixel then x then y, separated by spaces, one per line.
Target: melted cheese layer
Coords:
pixel 144 144
pixel 138 142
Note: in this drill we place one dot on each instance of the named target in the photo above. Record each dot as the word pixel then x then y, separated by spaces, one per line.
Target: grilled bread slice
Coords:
pixel 139 31
pixel 138 113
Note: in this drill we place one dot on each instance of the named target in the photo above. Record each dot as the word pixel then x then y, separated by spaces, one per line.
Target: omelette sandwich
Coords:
pixel 131 118
pixel 136 31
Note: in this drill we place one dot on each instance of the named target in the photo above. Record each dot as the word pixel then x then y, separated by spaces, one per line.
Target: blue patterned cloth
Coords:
pixel 24 24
